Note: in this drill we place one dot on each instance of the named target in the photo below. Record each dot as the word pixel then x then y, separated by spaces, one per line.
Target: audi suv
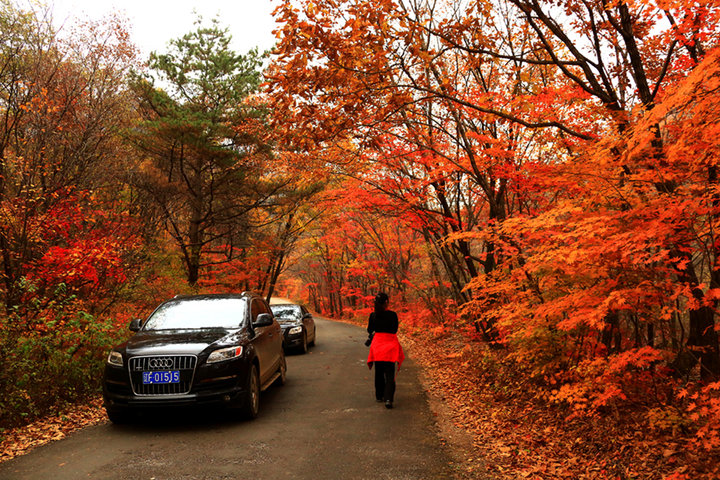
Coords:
pixel 197 350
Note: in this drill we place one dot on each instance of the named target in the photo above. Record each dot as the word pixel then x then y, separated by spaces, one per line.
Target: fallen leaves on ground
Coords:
pixel 517 436
pixel 18 441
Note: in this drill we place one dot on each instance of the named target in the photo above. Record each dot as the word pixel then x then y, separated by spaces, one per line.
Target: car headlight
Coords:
pixel 115 358
pixel 295 330
pixel 224 354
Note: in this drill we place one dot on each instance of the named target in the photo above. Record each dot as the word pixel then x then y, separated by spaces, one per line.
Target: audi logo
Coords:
pixel 160 363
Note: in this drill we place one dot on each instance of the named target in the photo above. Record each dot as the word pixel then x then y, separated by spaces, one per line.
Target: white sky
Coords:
pixel 155 22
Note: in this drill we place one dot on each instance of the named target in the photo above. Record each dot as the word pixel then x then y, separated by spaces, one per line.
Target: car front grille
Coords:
pixel 185 364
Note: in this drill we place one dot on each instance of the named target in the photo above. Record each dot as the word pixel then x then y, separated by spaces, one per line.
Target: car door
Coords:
pixel 266 341
pixel 260 340
pixel 274 340
pixel 309 322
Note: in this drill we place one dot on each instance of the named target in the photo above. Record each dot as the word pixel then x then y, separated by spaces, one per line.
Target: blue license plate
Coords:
pixel 172 376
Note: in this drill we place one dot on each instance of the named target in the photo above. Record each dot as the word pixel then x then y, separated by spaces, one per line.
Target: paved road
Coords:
pixel 323 424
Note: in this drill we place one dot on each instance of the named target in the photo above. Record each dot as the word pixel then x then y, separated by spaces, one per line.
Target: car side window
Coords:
pixel 303 310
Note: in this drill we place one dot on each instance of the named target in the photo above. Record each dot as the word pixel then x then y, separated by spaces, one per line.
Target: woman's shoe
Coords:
pixel 388 404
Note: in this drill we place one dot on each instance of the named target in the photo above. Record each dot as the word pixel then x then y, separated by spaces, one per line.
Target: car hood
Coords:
pixel 164 342
pixel 288 321
pixel 285 324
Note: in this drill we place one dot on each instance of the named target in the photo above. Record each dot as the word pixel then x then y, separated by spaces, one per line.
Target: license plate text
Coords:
pixel 172 376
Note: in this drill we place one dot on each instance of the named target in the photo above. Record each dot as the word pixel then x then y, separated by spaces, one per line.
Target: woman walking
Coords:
pixel 385 350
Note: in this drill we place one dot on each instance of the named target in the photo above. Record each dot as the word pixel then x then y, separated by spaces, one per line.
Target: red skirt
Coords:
pixel 385 347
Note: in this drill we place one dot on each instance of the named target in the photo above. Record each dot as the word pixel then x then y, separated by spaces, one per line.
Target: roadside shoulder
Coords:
pixel 20 440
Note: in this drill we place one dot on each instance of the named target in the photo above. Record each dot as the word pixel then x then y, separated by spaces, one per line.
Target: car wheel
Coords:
pixel 304 347
pixel 118 418
pixel 282 370
pixel 251 405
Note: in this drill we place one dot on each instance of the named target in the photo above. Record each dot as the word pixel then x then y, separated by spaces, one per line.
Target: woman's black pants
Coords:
pixel 385 380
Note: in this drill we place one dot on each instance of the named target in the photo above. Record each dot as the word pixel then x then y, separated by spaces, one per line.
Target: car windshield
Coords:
pixel 286 312
pixel 198 313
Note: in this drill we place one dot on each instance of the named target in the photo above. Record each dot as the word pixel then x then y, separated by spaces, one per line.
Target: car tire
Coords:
pixel 251 402
pixel 118 417
pixel 282 370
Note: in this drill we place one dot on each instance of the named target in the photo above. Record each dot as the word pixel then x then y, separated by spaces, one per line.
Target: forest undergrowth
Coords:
pixel 518 434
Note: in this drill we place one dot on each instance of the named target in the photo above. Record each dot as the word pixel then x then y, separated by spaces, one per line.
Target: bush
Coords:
pixel 49 367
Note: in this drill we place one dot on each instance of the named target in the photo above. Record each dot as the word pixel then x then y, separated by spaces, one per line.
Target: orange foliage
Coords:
pixel 556 167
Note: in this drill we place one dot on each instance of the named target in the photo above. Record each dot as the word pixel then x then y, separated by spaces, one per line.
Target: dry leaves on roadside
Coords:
pixel 17 441
pixel 517 436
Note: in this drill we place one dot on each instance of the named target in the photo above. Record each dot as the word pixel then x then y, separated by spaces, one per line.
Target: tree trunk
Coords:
pixel 611 335
pixel 194 250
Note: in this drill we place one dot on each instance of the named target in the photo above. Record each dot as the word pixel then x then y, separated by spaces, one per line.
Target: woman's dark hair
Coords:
pixel 380 300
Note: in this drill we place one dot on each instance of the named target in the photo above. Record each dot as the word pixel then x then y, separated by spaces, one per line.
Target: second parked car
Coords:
pixel 298 326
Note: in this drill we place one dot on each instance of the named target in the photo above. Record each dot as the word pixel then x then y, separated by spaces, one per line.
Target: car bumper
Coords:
pixel 228 397
pixel 220 385
pixel 294 340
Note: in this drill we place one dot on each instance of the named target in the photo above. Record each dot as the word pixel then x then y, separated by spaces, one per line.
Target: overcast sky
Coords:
pixel 155 22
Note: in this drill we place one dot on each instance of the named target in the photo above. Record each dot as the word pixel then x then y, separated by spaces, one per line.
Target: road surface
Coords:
pixel 323 424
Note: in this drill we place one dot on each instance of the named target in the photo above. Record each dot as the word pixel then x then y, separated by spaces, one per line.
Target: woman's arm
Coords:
pixel 370 329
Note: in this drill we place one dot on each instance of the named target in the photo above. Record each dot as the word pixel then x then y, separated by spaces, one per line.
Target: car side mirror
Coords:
pixel 135 325
pixel 263 320
pixel 307 315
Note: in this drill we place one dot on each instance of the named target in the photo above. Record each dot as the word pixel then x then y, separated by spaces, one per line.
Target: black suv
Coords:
pixel 298 326
pixel 197 350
